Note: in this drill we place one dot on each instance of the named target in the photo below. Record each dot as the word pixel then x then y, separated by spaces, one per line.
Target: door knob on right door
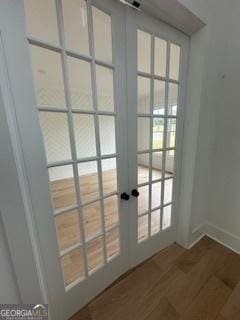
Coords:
pixel 134 193
pixel 125 196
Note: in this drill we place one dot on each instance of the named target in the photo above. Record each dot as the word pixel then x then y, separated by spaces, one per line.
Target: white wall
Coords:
pixel 224 210
pixel 207 52
pixel 194 194
pixel 216 186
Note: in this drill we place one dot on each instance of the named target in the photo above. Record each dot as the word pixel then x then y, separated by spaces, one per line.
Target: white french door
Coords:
pixel 100 131
pixel 79 77
pixel 72 126
pixel 156 72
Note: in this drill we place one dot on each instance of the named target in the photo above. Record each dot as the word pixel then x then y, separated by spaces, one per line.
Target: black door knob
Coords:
pixel 125 196
pixel 135 193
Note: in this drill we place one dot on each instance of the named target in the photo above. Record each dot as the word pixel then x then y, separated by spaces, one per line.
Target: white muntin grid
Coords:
pixel 65 53
pixel 150 151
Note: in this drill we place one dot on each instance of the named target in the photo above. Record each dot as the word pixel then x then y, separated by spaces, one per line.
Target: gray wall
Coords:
pixel 8 289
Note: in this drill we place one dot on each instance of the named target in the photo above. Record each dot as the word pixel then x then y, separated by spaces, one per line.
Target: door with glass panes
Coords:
pixel 77 57
pixel 102 150
pixel 156 72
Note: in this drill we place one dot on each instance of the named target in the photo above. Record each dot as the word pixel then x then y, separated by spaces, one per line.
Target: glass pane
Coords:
pixel 143 95
pixel 156 194
pixel 37 12
pixel 48 77
pixel 76 25
pixel 107 135
pixel 112 243
pixel 102 30
pixel 159 97
pixel 167 214
pixel 169 163
pixel 172 99
pixel 62 186
pixel 72 266
pixel 168 187
pixel 84 130
pixel 105 92
pixel 143 168
pixel 160 57
pixel 174 61
pixel 171 133
pixel 55 135
pixel 92 220
pixel 144 51
pixel 143 199
pixel 88 180
pixel 109 175
pixel 158 133
pixel 68 232
pixel 143 133
pixel 155 221
pixel 80 84
pixel 111 211
pixel 142 228
pixel 95 254
pixel 156 165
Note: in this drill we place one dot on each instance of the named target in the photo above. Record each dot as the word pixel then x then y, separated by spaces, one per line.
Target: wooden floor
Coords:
pixel 202 283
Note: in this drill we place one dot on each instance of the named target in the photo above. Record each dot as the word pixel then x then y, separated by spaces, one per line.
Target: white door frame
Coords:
pixel 12 165
pixel 15 201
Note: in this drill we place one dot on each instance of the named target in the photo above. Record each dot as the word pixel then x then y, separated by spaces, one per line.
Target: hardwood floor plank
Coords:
pixel 167 257
pixel 83 314
pixel 164 310
pixel 191 257
pixel 144 287
pixel 229 273
pixel 139 306
pixel 231 310
pixel 152 297
pixel 187 286
pixel 119 301
pixel 209 301
pixel 220 317
pixel 159 289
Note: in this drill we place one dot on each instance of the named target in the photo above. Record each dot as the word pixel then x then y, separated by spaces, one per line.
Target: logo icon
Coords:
pixel 40 311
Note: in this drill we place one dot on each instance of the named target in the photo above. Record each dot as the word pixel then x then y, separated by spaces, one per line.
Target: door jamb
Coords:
pixel 12 167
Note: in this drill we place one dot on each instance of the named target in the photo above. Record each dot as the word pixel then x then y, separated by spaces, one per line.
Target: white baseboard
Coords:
pixel 193 242
pixel 197 234
pixel 223 237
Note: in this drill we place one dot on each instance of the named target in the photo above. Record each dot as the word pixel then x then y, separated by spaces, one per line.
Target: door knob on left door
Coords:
pixel 125 196
pixel 135 193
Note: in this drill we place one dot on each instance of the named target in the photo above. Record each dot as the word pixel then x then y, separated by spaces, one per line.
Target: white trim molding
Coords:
pixel 16 214
pixel 227 239
pixel 224 237
pixel 197 234
pixel 173 13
